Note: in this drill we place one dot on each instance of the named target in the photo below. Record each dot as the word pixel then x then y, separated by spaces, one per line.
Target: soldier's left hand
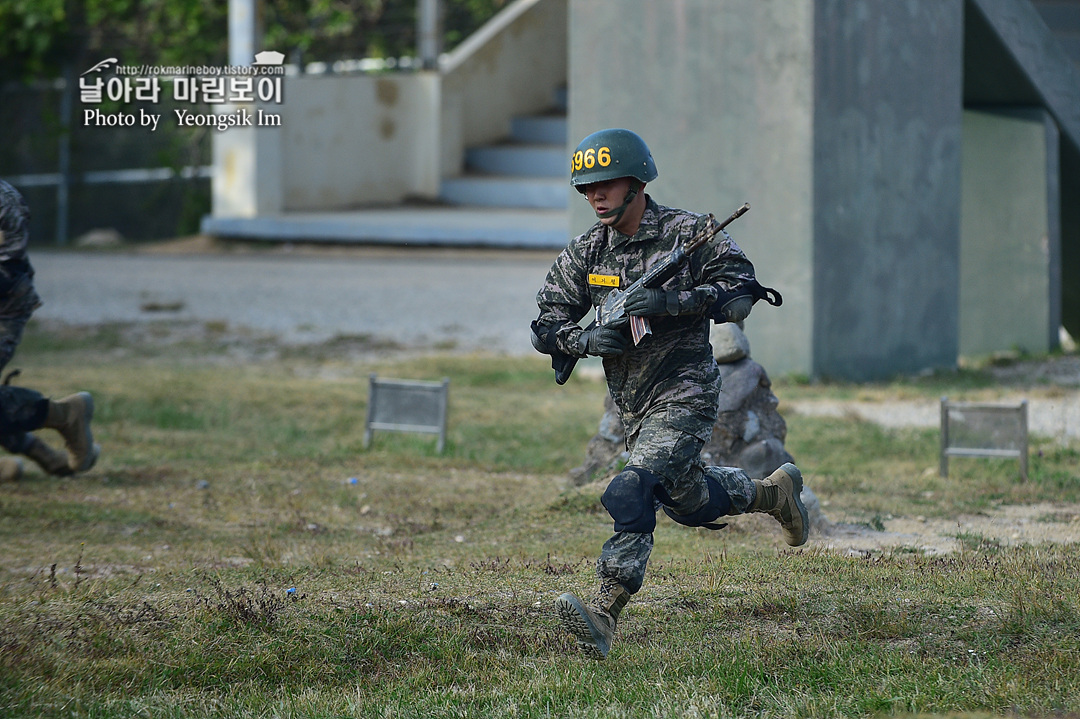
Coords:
pixel 646 302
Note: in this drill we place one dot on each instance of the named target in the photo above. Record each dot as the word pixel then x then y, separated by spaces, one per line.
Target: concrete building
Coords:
pixel 913 167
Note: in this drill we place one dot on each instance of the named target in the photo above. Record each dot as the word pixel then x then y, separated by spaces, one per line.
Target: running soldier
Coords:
pixel 23 410
pixel 667 387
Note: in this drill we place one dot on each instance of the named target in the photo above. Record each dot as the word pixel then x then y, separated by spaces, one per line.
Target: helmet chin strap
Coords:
pixel 617 212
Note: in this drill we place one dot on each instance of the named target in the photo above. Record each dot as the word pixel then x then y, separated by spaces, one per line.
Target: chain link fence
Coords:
pixel 143 183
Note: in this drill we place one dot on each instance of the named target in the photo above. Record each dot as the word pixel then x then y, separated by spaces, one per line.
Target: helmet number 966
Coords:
pixel 591 158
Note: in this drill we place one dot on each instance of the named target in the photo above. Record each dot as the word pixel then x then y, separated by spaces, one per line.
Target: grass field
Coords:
pixel 237 553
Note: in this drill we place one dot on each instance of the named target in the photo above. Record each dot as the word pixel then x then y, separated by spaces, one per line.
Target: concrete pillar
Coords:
pixel 887 130
pixel 246 179
pixel 429 32
pixel 244 31
pixel 1010 279
pixel 722 92
pixel 839 121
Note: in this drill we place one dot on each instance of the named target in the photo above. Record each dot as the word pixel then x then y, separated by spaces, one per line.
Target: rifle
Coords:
pixel 613 310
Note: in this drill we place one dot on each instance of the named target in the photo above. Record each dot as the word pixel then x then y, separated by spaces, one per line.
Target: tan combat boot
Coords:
pixel 53 461
pixel 778 496
pixel 11 470
pixel 71 417
pixel 593 626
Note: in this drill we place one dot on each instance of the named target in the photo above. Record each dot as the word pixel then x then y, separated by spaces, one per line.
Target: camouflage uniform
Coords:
pixel 667 388
pixel 21 409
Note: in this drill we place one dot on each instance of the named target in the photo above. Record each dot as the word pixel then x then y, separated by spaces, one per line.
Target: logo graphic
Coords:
pixel 269 57
pixel 236 86
pixel 101 66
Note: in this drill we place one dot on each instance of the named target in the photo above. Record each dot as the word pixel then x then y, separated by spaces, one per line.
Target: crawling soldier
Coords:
pixel 667 387
pixel 23 410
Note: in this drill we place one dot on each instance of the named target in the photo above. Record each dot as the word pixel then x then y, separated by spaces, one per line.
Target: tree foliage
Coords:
pixel 31 30
pixel 42 36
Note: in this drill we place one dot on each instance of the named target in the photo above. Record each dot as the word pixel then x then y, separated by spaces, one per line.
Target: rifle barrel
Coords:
pixel 711 232
pixel 736 215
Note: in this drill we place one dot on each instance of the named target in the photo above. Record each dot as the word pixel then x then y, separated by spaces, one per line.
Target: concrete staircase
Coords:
pixel 1063 19
pixel 526 170
pixel 514 194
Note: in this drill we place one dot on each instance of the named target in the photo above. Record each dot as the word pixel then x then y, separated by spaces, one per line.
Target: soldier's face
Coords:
pixel 607 195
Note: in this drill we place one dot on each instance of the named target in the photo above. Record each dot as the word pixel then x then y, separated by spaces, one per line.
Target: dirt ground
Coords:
pixel 1004 526
pixel 1052 388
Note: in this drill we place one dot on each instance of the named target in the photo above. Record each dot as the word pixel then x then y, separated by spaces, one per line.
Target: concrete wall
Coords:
pixel 1050 79
pixel 511 66
pixel 887 130
pixel 344 141
pixel 1070 239
pixel 1010 284
pixel 721 90
pixel 359 140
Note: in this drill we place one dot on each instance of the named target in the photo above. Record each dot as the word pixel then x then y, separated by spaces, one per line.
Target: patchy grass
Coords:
pixel 237 552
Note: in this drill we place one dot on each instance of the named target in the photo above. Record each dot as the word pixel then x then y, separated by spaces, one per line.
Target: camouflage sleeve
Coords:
pixel 14 223
pixel 723 267
pixel 564 298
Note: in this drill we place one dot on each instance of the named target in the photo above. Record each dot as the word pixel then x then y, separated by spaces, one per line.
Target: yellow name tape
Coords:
pixel 604 280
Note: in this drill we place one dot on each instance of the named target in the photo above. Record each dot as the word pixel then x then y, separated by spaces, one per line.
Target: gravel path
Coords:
pixel 420 299
pixel 1057 417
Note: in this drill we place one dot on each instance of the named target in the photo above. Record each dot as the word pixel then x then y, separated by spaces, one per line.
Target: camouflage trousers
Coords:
pixel 669 445
pixel 21 410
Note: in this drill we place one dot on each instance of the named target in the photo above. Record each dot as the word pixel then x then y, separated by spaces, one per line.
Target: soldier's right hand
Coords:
pixel 602 341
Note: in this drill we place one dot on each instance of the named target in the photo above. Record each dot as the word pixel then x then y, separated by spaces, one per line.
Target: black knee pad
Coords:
pixel 718 505
pixel 630 499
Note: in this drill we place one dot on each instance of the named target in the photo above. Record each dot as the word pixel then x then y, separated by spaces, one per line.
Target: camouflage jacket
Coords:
pixel 673 369
pixel 14 223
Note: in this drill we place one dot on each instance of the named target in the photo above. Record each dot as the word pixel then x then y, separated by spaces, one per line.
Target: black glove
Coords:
pixel 602 341
pixel 646 302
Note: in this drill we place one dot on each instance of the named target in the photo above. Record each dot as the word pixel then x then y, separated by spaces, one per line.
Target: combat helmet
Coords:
pixel 610 154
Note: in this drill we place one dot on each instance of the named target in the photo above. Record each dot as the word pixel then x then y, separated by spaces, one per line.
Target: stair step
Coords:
pixel 405 225
pixel 542 129
pixel 547 160
pixel 506 191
